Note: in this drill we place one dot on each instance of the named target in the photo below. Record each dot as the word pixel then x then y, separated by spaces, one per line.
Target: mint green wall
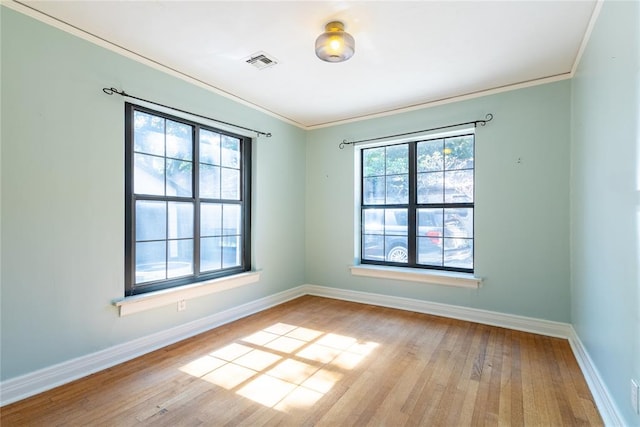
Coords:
pixel 522 209
pixel 605 200
pixel 63 197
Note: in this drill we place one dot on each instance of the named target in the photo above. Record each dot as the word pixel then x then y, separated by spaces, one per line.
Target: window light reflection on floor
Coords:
pixel 283 366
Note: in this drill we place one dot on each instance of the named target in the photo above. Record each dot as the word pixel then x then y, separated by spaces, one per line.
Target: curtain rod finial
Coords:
pixel 112 90
pixel 486 120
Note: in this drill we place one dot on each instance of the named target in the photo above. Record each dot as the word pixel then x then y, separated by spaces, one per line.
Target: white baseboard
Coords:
pixel 30 384
pixel 510 321
pixel 606 405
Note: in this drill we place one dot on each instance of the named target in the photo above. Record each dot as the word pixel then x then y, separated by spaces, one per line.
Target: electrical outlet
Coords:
pixel 635 397
pixel 182 305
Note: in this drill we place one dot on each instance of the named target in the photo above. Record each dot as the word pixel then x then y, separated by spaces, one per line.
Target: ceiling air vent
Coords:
pixel 261 60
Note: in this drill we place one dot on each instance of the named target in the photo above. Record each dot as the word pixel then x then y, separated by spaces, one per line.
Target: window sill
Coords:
pixel 142 302
pixel 462 280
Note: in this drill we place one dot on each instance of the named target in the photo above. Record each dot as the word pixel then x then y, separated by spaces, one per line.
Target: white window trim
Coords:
pixel 150 300
pixel 447 278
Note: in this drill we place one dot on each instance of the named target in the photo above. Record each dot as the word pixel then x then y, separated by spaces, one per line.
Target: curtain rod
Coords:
pixel 475 123
pixel 111 91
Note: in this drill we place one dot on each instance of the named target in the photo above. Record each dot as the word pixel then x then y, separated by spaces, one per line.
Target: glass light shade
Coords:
pixel 335 45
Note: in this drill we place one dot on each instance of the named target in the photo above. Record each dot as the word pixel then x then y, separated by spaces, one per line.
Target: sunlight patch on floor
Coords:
pixel 202 366
pixel 293 371
pixel 284 366
pixel 229 376
pixel 266 390
pixel 257 360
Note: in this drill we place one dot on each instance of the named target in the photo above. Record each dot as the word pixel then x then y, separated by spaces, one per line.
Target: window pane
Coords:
pixel 374 190
pixel 230 184
pixel 179 140
pixel 458 237
pixel 209 147
pixel 459 152
pixel 210 253
pixel 151 220
pixel 230 152
pixel 397 189
pixel 180 258
pixel 396 249
pixel 148 175
pixel 457 246
pixel 430 187
pixel 210 219
pixel 231 250
pixel 458 186
pixel 231 220
pixel 373 247
pixel 395 222
pixel 209 182
pixel 430 251
pixel 458 253
pixel 148 133
pixel 151 261
pixel 429 219
pixel 458 222
pixel 430 155
pixel 180 222
pixel 373 162
pixel 178 178
pixel 430 231
pixel 397 157
pixel 374 221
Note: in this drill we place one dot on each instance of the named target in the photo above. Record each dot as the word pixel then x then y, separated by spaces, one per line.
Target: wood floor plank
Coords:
pixel 322 362
pixel 467 386
pixel 405 379
pixel 455 391
pixel 509 381
pixel 492 415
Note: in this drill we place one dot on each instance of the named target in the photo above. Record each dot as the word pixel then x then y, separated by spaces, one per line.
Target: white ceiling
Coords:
pixel 408 53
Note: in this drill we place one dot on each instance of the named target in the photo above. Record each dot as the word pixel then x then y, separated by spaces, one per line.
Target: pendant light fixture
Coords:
pixel 335 45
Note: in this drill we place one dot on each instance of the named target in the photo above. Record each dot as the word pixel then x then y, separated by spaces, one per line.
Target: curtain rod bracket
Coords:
pixel 112 90
pixel 475 123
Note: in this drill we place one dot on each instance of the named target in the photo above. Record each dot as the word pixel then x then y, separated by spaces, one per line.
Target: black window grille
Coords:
pixel 417 204
pixel 187 189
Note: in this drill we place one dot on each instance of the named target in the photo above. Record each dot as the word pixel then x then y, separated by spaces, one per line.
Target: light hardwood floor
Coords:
pixel 318 361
